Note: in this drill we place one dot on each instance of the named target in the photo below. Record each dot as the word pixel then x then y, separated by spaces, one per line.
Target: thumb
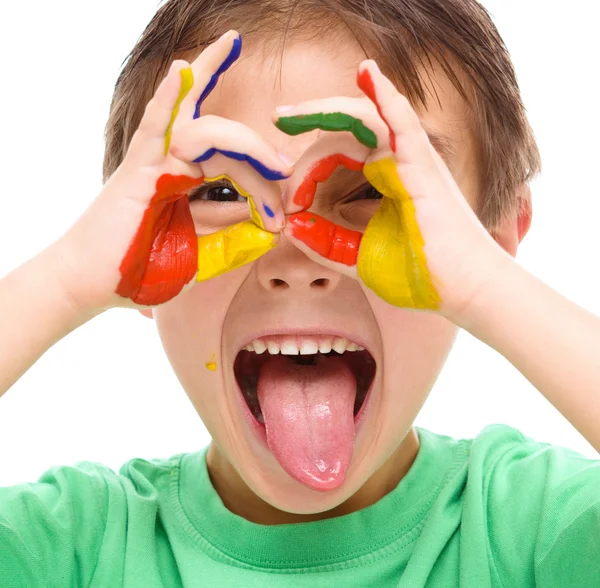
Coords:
pixel 324 242
pixel 231 248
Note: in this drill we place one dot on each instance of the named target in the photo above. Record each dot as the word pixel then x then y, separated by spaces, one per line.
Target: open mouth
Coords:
pixel 302 351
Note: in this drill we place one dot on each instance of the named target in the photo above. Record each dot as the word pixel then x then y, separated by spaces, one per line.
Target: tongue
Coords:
pixel 309 417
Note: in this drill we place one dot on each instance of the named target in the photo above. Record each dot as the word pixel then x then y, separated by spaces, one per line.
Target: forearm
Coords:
pixel 553 342
pixel 35 313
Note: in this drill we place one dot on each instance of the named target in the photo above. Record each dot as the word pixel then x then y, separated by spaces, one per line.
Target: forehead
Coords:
pixel 261 80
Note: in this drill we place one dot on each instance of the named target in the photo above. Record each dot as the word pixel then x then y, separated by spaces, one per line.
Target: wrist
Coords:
pixel 55 270
pixel 492 284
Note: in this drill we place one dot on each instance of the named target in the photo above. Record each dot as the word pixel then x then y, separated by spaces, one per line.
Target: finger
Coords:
pixel 326 243
pixel 232 248
pixel 221 168
pixel 207 68
pixel 203 140
pixel 317 164
pixel 356 115
pixel 407 138
pixel 150 142
pixel 392 259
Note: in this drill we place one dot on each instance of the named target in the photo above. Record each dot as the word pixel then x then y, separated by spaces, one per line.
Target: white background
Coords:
pixel 106 392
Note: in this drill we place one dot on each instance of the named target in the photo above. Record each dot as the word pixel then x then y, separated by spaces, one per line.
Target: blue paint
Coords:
pixel 263 170
pixel 231 58
pixel 269 212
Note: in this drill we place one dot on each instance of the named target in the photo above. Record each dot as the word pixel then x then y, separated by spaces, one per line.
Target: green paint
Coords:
pixel 333 121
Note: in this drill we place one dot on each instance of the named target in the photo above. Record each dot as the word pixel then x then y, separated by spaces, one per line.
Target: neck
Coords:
pixel 240 500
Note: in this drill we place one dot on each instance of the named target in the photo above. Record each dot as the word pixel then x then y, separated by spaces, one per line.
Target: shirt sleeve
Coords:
pixel 569 536
pixel 543 505
pixel 51 531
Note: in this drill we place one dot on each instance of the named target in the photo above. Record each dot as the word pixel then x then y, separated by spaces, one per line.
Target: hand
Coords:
pixel 424 248
pixel 136 245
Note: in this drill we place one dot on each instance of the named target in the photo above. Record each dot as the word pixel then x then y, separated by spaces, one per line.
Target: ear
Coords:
pixel 147 312
pixel 513 229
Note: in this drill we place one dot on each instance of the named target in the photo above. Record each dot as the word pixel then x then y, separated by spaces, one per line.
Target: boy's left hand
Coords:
pixel 424 248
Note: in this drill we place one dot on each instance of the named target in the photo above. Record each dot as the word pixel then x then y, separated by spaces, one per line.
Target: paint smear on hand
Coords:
pixel 187 82
pixel 391 259
pixel 329 240
pixel 236 50
pixel 162 257
pixel 212 364
pixel 365 83
pixel 321 171
pixel 261 168
pixel 231 248
pixel 332 121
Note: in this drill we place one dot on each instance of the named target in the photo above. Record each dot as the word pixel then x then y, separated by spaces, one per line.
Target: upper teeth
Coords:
pixel 302 346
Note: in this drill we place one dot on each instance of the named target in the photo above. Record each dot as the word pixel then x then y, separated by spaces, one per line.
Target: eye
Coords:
pixel 366 192
pixel 220 191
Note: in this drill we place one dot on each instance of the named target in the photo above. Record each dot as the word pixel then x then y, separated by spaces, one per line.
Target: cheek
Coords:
pixel 415 346
pixel 190 327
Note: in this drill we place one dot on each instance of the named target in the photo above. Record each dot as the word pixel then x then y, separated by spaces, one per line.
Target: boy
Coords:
pixel 317 329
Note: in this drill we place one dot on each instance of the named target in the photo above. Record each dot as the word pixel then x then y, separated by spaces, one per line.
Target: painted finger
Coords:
pixel 151 141
pixel 392 259
pixel 317 164
pixel 207 68
pixel 407 138
pixel 355 115
pixel 232 248
pixel 326 243
pixel 209 136
pixel 162 256
pixel 261 195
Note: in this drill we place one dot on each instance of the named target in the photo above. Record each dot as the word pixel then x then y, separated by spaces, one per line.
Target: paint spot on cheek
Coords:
pixel 212 364
pixel 269 212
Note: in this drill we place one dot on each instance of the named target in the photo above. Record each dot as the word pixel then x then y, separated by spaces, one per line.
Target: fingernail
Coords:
pixel 285 159
pixel 284 109
pixel 280 218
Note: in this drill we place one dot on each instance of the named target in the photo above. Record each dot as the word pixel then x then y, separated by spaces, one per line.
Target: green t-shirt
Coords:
pixel 498 510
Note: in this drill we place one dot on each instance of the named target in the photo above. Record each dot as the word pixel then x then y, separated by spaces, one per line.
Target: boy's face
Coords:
pixel 285 293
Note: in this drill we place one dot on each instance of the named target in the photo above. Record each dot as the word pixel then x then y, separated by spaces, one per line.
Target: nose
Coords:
pixel 287 270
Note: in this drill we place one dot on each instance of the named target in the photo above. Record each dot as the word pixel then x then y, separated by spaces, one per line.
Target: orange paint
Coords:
pixel 365 83
pixel 326 238
pixel 321 172
pixel 163 256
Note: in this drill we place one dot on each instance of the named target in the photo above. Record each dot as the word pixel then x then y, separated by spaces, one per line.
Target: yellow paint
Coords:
pixel 391 259
pixel 212 364
pixel 231 248
pixel 256 218
pixel 187 81
pixel 234 246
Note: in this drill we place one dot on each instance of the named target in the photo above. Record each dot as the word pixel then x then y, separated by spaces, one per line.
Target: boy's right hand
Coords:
pixel 136 245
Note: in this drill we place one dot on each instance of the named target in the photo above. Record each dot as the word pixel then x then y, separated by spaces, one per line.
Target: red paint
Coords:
pixel 326 238
pixel 365 83
pixel 163 255
pixel 321 172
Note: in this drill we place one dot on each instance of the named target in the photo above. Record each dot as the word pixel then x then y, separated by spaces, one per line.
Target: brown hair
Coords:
pixel 403 35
